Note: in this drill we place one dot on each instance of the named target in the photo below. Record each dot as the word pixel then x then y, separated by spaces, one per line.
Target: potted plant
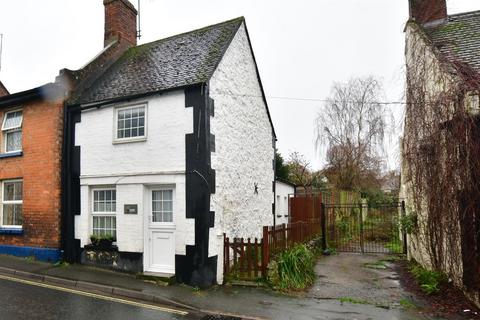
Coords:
pixel 94 239
pixel 102 242
pixel 105 242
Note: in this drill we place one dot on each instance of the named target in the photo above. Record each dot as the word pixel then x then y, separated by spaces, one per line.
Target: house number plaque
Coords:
pixel 131 209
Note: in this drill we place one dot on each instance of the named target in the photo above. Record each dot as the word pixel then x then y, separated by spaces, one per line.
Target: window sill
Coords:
pixel 11 154
pixel 133 140
pixel 12 231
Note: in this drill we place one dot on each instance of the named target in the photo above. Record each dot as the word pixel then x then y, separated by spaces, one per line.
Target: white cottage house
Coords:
pixel 284 190
pixel 171 146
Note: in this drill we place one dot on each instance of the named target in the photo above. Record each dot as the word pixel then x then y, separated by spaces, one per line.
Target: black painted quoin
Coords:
pixel 196 268
pixel 70 185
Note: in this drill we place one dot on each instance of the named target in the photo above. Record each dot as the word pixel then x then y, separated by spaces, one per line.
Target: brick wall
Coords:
pixel 40 168
pixel 120 20
pixel 3 90
pixel 424 11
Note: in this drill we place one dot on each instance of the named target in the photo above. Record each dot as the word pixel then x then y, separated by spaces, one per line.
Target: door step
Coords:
pixel 163 279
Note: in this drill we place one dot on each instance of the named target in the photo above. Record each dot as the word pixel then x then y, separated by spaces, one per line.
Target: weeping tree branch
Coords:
pixel 351 125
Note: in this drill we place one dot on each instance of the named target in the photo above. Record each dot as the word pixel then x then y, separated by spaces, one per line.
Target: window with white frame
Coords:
pixel 130 123
pixel 162 206
pixel 104 212
pixel 12 131
pixel 12 204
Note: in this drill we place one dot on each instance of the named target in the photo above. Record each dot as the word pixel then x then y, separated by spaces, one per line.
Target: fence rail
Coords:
pixel 248 259
pixel 242 258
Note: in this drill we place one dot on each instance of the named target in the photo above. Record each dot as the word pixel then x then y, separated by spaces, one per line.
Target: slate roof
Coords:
pixel 458 38
pixel 178 61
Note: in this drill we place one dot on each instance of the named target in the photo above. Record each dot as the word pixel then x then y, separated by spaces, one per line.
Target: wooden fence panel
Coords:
pixel 247 260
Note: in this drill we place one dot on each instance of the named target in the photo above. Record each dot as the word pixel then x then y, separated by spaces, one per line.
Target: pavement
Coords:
pixel 348 287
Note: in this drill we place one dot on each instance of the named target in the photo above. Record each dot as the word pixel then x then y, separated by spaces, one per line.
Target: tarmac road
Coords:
pixel 25 300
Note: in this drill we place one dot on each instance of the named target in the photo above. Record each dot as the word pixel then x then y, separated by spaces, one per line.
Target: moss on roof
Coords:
pixel 177 61
pixel 451 27
pixel 458 38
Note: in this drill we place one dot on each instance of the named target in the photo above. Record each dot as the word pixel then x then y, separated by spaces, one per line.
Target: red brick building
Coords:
pixel 30 172
pixel 3 90
pixel 35 204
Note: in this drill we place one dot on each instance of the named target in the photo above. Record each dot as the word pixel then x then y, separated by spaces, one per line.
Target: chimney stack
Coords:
pixel 426 11
pixel 120 21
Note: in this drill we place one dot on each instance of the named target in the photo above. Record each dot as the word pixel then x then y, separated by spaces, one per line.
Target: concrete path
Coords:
pixel 364 278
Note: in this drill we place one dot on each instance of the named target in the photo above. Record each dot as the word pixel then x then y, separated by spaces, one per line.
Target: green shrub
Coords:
pixel 428 280
pixel 294 269
pixel 409 223
pixel 96 239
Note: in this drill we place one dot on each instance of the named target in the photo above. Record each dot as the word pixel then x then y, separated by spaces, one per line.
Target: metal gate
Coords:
pixel 365 229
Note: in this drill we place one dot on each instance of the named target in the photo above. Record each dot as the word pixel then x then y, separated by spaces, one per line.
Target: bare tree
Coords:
pixel 300 172
pixel 351 126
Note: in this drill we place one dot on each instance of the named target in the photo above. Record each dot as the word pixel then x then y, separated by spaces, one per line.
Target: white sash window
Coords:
pixel 12 131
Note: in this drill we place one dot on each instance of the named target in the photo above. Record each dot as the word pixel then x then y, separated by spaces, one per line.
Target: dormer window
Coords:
pixel 130 123
pixel 12 131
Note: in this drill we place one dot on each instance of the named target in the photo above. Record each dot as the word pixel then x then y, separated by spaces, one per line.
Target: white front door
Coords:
pixel 160 242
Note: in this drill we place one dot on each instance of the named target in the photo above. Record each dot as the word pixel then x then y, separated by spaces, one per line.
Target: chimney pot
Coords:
pixel 120 21
pixel 426 11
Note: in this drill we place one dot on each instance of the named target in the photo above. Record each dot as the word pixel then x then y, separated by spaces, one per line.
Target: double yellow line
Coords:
pixel 96 296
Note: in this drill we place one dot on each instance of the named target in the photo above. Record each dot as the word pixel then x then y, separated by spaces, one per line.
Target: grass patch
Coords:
pixel 352 300
pixel 60 264
pixel 407 304
pixel 428 280
pixel 380 265
pixel 393 258
pixel 394 246
pixel 30 259
pixel 293 269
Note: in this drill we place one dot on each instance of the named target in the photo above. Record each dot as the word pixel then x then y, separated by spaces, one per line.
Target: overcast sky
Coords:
pixel 301 47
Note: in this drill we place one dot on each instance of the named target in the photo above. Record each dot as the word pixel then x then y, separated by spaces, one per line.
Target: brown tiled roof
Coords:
pixel 182 60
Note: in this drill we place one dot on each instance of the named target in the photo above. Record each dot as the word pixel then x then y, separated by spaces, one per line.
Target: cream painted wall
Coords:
pixel 423 63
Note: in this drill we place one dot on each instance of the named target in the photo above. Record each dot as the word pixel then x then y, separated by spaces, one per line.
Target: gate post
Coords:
pixel 265 252
pixel 404 232
pixel 360 220
pixel 323 222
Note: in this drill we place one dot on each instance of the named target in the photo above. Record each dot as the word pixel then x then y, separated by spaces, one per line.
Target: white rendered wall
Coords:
pixel 282 190
pixel 164 151
pixel 133 168
pixel 244 150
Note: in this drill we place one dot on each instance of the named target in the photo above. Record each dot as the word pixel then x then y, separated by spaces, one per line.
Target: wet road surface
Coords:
pixel 24 301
